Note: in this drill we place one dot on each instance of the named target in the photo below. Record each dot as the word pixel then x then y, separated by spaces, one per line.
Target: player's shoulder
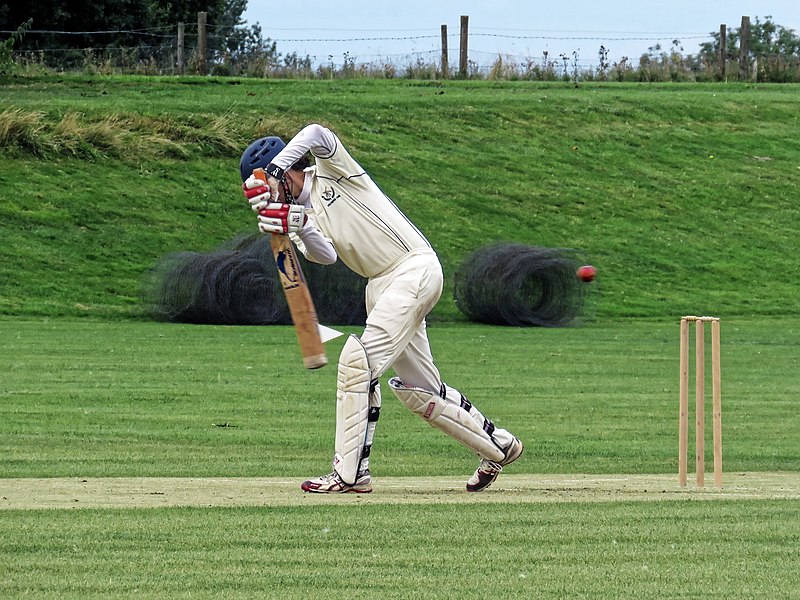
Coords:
pixel 325 143
pixel 340 161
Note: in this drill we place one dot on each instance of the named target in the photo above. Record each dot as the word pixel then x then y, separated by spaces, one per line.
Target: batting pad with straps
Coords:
pixel 358 404
pixel 451 412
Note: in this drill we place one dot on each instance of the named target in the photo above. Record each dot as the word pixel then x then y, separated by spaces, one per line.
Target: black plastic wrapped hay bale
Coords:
pixel 237 284
pixel 520 285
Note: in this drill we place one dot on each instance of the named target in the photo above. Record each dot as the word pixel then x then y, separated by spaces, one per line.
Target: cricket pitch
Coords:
pixel 154 492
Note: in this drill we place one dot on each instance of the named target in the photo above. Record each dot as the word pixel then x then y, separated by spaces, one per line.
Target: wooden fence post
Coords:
pixel 201 42
pixel 445 65
pixel 744 50
pixel 462 63
pixel 181 33
pixel 723 51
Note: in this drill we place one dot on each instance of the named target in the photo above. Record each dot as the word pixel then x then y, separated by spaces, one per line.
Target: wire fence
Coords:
pixel 492 53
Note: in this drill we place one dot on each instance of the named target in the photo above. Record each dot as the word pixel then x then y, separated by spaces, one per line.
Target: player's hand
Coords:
pixel 281 218
pixel 260 193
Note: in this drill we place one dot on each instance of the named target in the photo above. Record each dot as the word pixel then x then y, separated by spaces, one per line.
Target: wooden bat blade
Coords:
pixel 301 306
pixel 298 297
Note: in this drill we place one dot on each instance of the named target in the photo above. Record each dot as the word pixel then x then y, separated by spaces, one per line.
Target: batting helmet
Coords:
pixel 259 154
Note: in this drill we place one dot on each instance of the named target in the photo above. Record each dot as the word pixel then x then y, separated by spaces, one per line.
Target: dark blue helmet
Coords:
pixel 259 154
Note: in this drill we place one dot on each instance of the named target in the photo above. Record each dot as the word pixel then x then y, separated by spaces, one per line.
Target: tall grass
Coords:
pixel 23 130
pixel 655 65
pixel 117 134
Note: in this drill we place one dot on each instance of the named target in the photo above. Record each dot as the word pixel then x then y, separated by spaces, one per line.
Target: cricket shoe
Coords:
pixel 333 484
pixel 488 470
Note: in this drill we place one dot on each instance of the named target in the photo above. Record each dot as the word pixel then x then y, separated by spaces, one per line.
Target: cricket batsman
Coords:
pixel 333 210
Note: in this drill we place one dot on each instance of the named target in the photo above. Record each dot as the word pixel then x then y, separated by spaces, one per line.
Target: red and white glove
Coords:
pixel 260 193
pixel 281 218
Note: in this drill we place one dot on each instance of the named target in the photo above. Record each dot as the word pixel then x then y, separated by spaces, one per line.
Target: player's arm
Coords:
pixel 314 138
pixel 314 246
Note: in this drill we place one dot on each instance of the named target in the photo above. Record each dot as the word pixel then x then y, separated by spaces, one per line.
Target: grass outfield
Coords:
pixel 188 421
pixel 629 549
pixel 184 445
pixel 94 399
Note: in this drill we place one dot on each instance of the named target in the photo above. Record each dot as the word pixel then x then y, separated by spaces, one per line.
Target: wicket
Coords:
pixel 700 372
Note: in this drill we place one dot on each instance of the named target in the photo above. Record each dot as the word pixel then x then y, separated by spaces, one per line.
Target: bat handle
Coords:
pixel 261 174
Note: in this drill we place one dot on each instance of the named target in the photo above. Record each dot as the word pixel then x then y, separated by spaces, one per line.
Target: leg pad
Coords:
pixel 352 410
pixel 458 419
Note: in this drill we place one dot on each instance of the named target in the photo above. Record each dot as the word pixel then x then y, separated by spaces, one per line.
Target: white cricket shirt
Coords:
pixel 369 233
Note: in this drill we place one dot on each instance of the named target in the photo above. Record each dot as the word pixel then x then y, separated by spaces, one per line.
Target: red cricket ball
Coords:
pixel 586 273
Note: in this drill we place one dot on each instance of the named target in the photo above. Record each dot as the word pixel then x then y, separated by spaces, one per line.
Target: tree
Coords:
pixel 7 64
pixel 766 39
pixel 773 49
pixel 130 23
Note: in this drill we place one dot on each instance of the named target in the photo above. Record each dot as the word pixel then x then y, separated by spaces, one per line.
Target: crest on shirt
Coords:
pixel 329 195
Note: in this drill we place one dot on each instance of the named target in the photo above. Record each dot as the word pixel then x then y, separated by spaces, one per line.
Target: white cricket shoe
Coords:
pixel 488 470
pixel 333 484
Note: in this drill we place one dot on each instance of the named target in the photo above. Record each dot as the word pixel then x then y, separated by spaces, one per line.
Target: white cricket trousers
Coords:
pixel 397 303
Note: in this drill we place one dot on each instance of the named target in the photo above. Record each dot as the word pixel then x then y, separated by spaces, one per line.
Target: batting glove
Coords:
pixel 281 218
pixel 260 193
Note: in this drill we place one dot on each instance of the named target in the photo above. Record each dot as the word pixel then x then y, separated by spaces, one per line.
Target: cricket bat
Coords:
pixel 298 298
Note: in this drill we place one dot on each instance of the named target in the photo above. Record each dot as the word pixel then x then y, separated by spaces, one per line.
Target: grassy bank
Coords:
pixel 682 195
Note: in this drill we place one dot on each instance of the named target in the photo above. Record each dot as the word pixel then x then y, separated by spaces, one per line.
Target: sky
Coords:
pixel 335 31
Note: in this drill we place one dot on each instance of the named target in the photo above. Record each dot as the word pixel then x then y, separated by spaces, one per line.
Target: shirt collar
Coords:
pixel 305 196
